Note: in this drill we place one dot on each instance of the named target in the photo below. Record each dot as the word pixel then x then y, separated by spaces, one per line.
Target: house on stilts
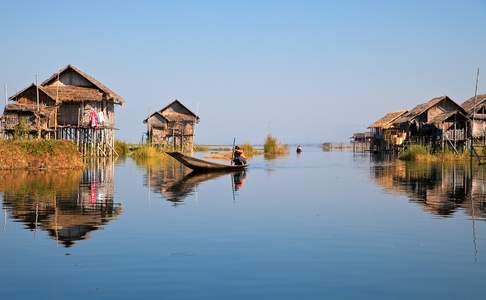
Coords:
pixel 476 110
pixel 69 105
pixel 386 136
pixel 438 123
pixel 172 127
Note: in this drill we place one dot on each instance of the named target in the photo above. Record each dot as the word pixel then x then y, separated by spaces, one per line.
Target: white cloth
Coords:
pixel 101 117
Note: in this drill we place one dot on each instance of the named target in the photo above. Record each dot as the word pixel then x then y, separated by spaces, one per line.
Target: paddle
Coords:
pixel 233 150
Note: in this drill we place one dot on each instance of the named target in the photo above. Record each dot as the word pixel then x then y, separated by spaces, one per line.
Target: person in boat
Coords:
pixel 239 158
pixel 299 149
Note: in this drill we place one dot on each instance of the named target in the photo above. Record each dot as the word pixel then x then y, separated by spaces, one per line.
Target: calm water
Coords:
pixel 319 225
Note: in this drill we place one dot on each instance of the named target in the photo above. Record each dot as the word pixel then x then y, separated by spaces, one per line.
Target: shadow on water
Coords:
pixel 175 182
pixel 441 188
pixel 67 204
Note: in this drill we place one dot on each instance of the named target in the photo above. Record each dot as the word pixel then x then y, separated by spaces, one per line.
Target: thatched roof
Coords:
pixel 108 93
pixel 444 116
pixel 16 107
pixel 71 93
pixel 470 103
pixel 387 121
pixel 42 90
pixel 421 108
pixel 155 113
pixel 188 115
pixel 174 103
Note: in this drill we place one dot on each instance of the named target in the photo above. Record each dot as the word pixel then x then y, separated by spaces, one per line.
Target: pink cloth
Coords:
pixel 92 198
pixel 93 118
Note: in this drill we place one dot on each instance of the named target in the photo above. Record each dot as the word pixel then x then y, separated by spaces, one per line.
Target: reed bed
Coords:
pixel 423 153
pixel 273 147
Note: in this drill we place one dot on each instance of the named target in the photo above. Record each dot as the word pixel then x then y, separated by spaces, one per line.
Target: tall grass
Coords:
pixel 146 151
pixel 121 148
pixel 200 148
pixel 422 153
pixel 414 152
pixel 249 150
pixel 272 146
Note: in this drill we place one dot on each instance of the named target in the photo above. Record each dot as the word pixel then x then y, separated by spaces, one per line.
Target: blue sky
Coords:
pixel 306 71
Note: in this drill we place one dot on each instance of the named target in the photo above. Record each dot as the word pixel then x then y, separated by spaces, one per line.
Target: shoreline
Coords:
pixel 39 155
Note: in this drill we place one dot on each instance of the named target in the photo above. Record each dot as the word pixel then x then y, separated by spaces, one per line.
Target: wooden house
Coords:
pixel 172 126
pixel 476 110
pixel 28 117
pixel 436 123
pixel 361 141
pixel 68 105
pixel 386 137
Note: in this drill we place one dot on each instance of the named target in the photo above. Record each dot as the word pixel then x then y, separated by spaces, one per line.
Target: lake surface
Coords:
pixel 333 225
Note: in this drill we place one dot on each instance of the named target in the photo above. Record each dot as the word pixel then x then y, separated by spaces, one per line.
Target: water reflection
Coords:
pixel 442 189
pixel 175 182
pixel 68 205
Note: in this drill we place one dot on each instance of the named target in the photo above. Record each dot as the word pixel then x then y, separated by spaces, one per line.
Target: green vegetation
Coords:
pixel 147 152
pixel 21 130
pixel 121 148
pixel 200 148
pixel 207 148
pixel 39 154
pixel 249 150
pixel 414 152
pixel 422 153
pixel 272 147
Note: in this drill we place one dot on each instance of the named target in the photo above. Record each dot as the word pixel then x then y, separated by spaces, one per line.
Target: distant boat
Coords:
pixel 200 165
pixel 299 149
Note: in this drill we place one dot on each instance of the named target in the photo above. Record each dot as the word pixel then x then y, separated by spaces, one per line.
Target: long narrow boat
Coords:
pixel 200 165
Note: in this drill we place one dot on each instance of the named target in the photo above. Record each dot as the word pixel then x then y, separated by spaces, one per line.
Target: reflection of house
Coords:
pixel 385 135
pixel 173 126
pixel 441 189
pixel 161 176
pixel 436 123
pixel 476 109
pixel 69 105
pixel 68 206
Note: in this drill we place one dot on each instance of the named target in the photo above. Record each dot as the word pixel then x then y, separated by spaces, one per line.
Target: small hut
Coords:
pixel 28 116
pixel 69 105
pixel 436 123
pixel 386 137
pixel 476 110
pixel 362 141
pixel 172 126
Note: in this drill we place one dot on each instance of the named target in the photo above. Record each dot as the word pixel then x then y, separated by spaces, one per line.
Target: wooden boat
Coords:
pixel 200 165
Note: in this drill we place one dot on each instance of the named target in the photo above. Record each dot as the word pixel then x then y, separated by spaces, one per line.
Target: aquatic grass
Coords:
pixel 273 147
pixel 249 150
pixel 423 153
pixel 147 151
pixel 121 148
pixel 200 148
pixel 414 152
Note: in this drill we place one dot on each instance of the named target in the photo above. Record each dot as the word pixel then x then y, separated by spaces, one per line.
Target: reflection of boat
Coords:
pixel 186 185
pixel 200 165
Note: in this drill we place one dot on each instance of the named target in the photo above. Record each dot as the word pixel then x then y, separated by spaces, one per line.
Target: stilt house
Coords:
pixel 172 126
pixel 476 110
pixel 436 123
pixel 68 105
pixel 386 137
